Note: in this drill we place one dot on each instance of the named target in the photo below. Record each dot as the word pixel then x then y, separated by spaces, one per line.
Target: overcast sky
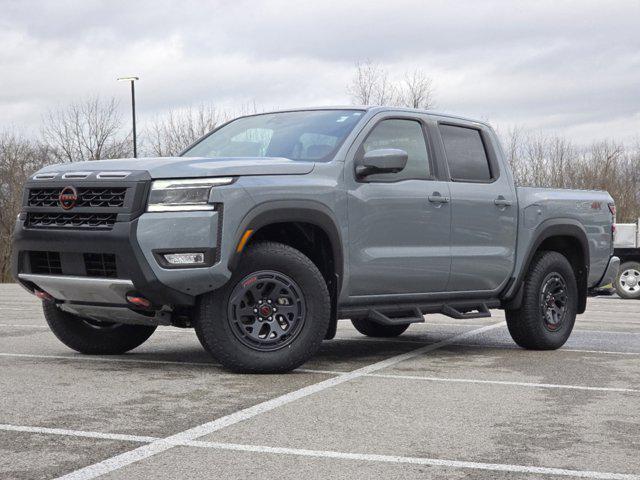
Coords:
pixel 556 66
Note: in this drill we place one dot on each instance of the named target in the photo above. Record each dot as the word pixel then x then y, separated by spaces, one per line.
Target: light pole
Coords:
pixel 133 110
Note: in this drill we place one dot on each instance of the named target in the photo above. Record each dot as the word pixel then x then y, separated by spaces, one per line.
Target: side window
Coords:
pixel 466 155
pixel 406 135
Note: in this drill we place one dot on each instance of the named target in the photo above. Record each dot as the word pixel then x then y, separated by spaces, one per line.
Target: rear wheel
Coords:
pixel 628 280
pixel 93 337
pixel 271 316
pixel 546 317
pixel 372 329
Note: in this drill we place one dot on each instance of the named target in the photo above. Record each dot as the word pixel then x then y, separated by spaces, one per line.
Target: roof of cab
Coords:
pixel 377 108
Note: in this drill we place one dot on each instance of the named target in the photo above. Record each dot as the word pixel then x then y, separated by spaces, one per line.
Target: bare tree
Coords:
pixel 417 90
pixel 372 85
pixel 364 83
pixel 19 158
pixel 178 129
pixel 86 130
pixel 553 161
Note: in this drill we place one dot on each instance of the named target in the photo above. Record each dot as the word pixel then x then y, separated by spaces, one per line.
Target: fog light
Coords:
pixel 184 258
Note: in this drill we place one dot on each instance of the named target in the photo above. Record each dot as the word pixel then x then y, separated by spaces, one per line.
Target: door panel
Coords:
pixel 398 239
pixel 484 210
pixel 483 235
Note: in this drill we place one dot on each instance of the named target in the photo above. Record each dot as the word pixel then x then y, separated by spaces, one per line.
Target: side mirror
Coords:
pixel 382 160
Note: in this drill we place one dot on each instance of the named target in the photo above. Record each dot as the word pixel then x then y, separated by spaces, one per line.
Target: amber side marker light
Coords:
pixel 243 241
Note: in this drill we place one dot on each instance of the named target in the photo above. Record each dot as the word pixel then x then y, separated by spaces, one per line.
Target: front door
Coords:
pixel 399 223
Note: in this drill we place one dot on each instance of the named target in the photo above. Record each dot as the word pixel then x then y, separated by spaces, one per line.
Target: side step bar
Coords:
pixel 413 313
pixel 479 312
pixel 381 318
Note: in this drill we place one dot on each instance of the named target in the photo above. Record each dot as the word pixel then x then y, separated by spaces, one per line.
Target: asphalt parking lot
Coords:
pixel 449 399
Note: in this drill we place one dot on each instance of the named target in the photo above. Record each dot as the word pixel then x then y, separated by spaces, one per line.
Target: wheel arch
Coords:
pixel 289 222
pixel 563 235
pixel 287 211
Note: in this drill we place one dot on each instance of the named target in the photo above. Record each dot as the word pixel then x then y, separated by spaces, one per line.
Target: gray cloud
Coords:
pixel 567 67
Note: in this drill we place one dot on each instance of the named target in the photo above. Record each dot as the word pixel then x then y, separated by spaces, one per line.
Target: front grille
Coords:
pixel 71 220
pixel 109 197
pixel 45 262
pixel 100 265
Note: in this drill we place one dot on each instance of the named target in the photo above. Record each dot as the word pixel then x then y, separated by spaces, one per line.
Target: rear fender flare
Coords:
pixel 556 227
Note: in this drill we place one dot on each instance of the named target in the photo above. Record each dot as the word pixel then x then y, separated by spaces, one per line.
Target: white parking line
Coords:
pixel 78 433
pixel 506 383
pixel 335 372
pixel 362 457
pixel 563 349
pixel 17 325
pixel 92 358
pixel 434 462
pixel 119 461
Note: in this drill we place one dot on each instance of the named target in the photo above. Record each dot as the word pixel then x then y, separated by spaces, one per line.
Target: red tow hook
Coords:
pixel 42 295
pixel 138 301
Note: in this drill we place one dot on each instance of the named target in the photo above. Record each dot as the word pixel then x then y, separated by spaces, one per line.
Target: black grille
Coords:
pixel 100 265
pixel 45 262
pixel 87 197
pixel 71 220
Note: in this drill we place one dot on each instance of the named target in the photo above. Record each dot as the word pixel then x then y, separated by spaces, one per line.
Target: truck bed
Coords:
pixel 588 209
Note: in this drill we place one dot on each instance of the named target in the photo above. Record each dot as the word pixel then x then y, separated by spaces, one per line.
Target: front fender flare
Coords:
pixel 304 211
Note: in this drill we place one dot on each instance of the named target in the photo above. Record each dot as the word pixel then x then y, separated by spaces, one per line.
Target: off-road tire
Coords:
pixel 94 338
pixel 372 329
pixel 526 324
pixel 620 289
pixel 214 328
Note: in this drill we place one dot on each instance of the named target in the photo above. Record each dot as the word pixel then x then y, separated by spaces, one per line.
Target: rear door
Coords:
pixel 483 209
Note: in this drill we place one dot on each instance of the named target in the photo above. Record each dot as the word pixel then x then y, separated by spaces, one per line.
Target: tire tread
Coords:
pixel 228 351
pixel 525 324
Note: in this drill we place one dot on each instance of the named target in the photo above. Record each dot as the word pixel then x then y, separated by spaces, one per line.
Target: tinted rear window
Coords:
pixel 466 154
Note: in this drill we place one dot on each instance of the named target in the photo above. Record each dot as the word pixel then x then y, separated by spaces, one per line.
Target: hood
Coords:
pixel 191 167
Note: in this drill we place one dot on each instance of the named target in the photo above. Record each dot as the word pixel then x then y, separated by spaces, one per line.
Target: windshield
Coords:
pixel 312 135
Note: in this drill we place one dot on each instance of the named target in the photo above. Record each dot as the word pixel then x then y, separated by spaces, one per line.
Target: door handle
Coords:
pixel 437 198
pixel 502 202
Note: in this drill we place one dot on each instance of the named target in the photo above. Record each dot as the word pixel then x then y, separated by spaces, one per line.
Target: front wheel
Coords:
pixel 628 280
pixel 271 316
pixel 92 337
pixel 546 317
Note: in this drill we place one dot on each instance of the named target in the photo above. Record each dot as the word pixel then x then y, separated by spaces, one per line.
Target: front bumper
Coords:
pixel 134 244
pixel 81 289
pixel 610 273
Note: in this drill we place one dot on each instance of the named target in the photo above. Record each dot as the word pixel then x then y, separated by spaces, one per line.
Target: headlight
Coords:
pixel 178 195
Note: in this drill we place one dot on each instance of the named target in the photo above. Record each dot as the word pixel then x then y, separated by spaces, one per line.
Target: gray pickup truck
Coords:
pixel 265 232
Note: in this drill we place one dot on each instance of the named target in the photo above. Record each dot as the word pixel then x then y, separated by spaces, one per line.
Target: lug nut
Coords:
pixel 268 301
pixel 255 310
pixel 270 318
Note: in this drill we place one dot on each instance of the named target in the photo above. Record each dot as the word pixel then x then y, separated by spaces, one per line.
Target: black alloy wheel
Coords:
pixel 553 301
pixel 266 310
